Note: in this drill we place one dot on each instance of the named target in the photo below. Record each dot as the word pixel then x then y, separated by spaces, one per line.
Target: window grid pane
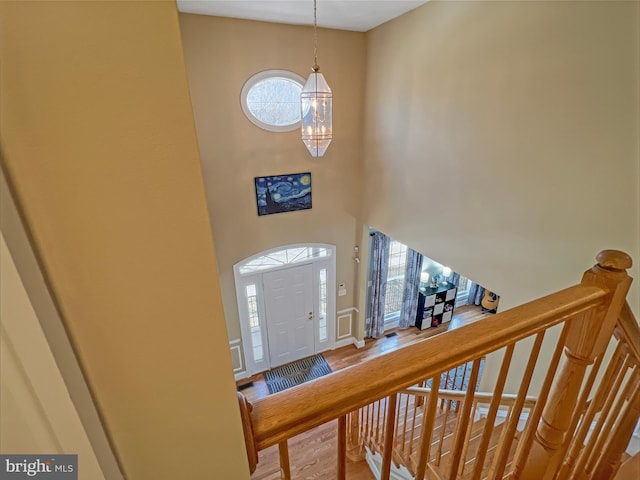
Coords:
pixel 254 323
pixel 275 101
pixel 395 277
pixel 322 321
pixel 283 257
pixel 463 284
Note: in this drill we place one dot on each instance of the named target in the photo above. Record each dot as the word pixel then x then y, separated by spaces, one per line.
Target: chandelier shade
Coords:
pixel 316 104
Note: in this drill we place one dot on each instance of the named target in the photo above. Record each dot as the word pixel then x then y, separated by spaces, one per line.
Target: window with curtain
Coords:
pixel 396 274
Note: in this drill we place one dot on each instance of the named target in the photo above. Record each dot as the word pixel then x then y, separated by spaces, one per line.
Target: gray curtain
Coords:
pixel 411 288
pixel 476 292
pixel 380 264
pixel 454 279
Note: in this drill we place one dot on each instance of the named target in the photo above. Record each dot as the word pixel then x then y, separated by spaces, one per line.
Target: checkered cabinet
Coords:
pixel 435 306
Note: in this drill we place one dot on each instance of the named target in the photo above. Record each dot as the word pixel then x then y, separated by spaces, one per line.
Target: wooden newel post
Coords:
pixel 588 337
pixel 247 428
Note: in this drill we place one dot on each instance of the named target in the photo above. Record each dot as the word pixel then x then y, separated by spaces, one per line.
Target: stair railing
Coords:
pixel 367 423
pixel 573 325
pixel 599 435
pixel 485 423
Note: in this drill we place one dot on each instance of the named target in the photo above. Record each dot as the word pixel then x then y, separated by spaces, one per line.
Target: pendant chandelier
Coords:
pixel 316 104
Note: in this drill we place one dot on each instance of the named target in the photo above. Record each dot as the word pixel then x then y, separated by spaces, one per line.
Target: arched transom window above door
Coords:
pixel 283 257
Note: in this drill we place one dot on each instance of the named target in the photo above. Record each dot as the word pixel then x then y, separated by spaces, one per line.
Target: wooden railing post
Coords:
pixel 342 448
pixel 247 428
pixel 355 447
pixel 427 428
pixel 285 466
pixel 389 430
pixel 588 337
pixel 611 458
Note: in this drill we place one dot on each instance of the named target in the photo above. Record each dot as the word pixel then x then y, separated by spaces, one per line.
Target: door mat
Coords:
pixel 296 373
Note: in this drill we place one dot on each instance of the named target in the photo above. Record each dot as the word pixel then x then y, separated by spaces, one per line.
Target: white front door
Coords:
pixel 288 295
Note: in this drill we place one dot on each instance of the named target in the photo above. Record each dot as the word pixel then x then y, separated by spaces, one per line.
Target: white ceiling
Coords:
pixel 357 15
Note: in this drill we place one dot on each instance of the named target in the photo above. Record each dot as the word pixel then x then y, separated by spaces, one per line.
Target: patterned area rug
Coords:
pixel 458 378
pixel 296 373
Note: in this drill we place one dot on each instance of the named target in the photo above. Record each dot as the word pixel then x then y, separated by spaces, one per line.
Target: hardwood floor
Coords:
pixel 313 454
pixel 255 387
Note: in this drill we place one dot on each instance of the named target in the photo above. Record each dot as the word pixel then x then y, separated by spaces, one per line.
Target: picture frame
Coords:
pixel 283 193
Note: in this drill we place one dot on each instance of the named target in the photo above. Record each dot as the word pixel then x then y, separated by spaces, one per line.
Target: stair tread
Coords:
pixel 407 442
pixel 630 468
pixel 474 441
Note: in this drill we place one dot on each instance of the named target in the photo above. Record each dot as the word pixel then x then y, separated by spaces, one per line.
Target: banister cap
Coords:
pixel 614 260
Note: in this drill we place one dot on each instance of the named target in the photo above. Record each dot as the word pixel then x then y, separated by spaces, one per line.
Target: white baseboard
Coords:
pixel 344 342
pixel 349 341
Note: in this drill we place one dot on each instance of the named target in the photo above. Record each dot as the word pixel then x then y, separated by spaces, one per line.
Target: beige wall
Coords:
pixel 35 407
pixel 40 344
pixel 221 54
pixel 501 138
pixel 100 145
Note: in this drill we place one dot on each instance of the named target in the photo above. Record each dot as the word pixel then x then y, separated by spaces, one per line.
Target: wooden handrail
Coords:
pixel 478 397
pixel 247 427
pixel 293 411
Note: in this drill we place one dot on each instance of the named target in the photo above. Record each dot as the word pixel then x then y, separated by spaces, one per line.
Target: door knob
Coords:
pixel 310 315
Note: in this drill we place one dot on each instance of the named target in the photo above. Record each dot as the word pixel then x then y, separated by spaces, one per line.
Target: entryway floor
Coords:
pixel 350 355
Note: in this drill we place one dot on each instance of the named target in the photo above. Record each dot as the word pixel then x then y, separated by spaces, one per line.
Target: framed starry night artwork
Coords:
pixel 283 193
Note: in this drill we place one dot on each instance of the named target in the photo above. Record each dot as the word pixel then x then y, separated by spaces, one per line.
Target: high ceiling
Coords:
pixel 356 15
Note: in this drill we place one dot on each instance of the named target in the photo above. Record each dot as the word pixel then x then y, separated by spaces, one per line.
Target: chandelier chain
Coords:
pixel 315 38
